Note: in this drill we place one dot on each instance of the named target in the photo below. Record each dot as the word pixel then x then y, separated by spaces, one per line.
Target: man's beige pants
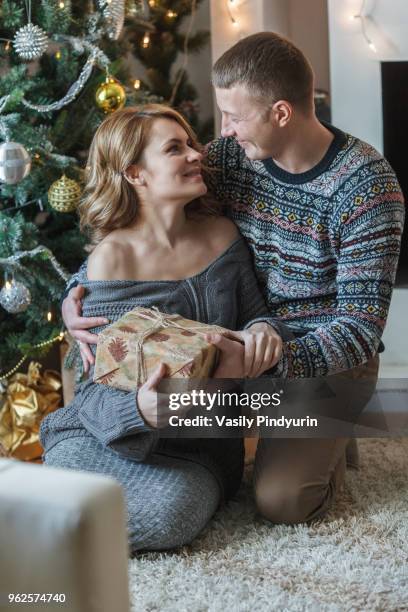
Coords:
pixel 296 479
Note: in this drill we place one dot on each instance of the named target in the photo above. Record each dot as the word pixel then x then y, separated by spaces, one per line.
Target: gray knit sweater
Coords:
pixel 224 293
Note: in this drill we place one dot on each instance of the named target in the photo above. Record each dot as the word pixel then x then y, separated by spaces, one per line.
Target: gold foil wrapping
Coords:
pixel 23 404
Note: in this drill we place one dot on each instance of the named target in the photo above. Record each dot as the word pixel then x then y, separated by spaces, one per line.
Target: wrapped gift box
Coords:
pixel 130 349
pixel 24 402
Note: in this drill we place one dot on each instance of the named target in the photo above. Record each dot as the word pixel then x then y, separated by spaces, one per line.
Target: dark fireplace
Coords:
pixel 394 78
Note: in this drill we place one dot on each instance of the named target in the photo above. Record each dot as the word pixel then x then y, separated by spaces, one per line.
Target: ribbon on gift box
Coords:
pixel 23 405
pixel 160 321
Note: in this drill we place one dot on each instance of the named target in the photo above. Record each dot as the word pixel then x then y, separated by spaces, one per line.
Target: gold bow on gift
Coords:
pixel 27 399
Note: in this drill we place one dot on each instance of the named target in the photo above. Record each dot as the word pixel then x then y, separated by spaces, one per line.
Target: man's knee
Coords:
pixel 290 504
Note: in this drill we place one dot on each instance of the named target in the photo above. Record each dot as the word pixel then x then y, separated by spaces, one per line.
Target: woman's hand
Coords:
pixel 154 406
pixel 77 324
pixel 148 399
pixel 262 348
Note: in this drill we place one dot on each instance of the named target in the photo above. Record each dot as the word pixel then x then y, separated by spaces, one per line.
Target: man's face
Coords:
pixel 250 123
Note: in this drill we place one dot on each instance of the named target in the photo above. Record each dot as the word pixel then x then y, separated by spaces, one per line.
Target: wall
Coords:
pixel 225 33
pixel 309 30
pixel 355 68
pixel 276 16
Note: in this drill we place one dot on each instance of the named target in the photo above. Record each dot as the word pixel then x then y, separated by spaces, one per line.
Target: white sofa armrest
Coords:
pixel 62 531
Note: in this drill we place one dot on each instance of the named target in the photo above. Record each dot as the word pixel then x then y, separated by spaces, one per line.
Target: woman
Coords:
pixel 158 242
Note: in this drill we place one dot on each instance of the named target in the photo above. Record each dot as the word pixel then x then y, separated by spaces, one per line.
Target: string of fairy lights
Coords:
pixel 231 6
pixel 59 338
pixel 363 17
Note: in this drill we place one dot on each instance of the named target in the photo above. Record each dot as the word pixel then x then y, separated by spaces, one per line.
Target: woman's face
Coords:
pixel 170 169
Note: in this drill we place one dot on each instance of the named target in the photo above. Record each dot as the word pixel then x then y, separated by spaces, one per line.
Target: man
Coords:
pixel 322 213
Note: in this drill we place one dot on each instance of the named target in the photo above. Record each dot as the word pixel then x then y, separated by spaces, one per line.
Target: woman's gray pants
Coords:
pixel 169 500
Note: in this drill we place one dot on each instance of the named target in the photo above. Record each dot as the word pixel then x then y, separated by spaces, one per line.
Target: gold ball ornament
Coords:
pixel 110 96
pixel 64 194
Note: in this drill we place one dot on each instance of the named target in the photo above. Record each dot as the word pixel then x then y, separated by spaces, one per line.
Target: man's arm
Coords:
pixel 368 257
pixel 77 325
pixel 262 333
pixel 259 326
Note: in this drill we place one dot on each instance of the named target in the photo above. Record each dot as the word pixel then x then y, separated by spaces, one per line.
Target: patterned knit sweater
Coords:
pixel 325 246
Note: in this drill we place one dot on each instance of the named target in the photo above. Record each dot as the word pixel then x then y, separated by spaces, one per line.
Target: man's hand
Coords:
pixel 263 348
pixel 77 325
pixel 231 363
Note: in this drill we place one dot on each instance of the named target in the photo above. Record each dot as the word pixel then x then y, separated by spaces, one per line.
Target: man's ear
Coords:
pixel 281 112
pixel 134 175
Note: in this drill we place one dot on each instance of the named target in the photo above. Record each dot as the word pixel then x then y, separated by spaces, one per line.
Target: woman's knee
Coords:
pixel 176 519
pixel 169 501
pixel 166 529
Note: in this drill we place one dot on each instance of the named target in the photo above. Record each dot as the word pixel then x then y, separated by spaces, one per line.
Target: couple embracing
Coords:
pixel 285 230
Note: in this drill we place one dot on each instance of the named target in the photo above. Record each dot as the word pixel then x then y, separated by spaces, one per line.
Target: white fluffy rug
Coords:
pixel 356 559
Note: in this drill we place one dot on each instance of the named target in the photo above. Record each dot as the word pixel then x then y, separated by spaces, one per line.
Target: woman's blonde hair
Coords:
pixel 109 201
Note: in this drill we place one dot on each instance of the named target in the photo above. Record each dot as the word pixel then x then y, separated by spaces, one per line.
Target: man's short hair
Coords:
pixel 270 66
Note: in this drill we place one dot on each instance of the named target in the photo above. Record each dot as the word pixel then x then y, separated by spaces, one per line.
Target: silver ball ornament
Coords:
pixel 15 163
pixel 15 297
pixel 30 42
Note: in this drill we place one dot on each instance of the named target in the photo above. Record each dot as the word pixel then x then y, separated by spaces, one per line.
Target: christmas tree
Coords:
pixel 55 55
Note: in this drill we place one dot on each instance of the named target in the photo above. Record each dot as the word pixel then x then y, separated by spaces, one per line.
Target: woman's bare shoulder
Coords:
pixel 108 259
